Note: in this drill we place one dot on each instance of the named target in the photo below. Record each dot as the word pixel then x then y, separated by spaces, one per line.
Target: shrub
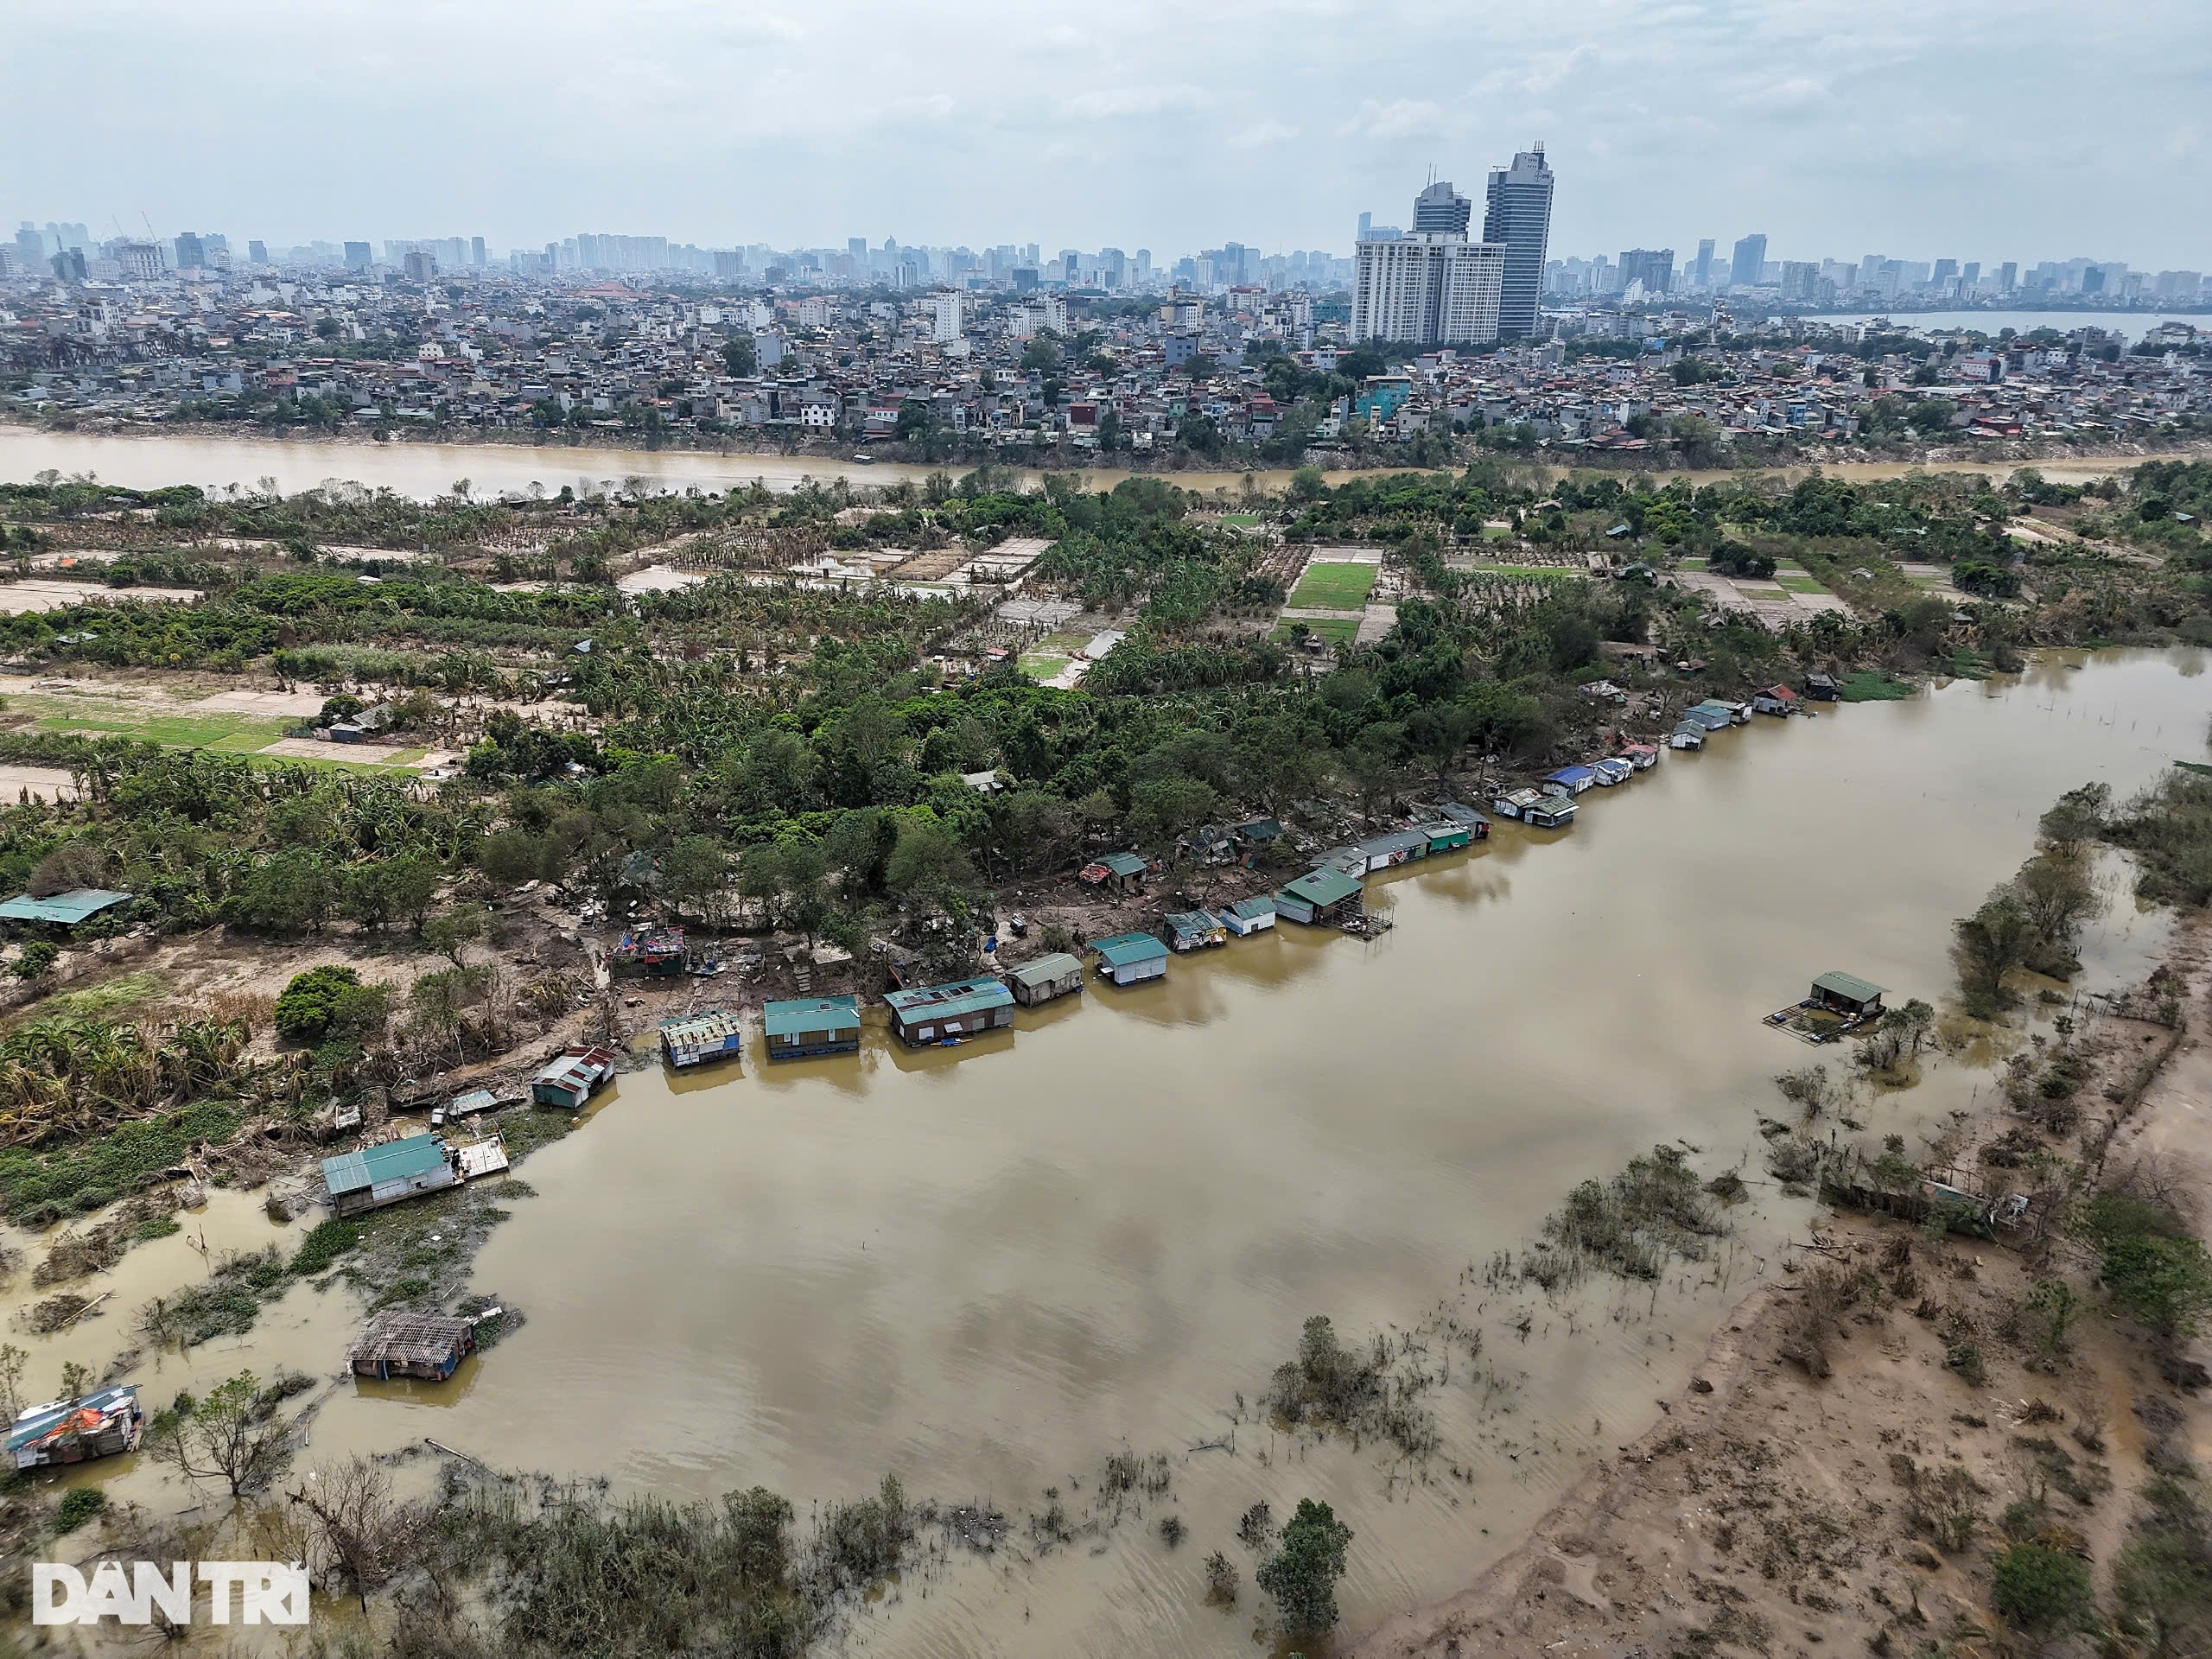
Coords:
pixel 322 1246
pixel 309 1003
pixel 35 959
pixel 2040 1588
pixel 79 1505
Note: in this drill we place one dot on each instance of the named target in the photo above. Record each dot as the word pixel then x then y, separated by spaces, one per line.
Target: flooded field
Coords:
pixel 986 1269
pixel 425 470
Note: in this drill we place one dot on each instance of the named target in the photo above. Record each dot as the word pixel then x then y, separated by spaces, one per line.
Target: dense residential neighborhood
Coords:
pixel 1226 373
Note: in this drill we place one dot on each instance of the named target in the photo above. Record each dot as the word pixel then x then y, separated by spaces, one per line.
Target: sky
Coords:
pixel 1986 129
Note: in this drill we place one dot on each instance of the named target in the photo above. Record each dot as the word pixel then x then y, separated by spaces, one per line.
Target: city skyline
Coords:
pixel 970 124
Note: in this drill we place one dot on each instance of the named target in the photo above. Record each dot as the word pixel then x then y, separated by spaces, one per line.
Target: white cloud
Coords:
pixel 1261 134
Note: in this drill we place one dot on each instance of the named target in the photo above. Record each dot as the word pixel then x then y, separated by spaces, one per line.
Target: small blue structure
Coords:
pixel 1568 781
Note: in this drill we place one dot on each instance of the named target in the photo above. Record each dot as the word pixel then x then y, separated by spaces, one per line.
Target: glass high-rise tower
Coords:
pixel 1518 212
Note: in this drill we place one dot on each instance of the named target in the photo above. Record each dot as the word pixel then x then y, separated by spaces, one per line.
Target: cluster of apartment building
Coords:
pixel 1645 275
pixel 862 366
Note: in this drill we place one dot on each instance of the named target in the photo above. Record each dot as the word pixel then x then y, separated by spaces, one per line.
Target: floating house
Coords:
pixel 1122 871
pixel 572 1077
pixel 426 1345
pixel 1567 780
pixel 1614 770
pixel 61 912
pixel 1822 688
pixel 1775 700
pixel 1381 852
pixel 96 1425
pixel 1248 916
pixel 1690 735
pixel 359 1182
pixel 803 1026
pixel 1847 995
pixel 1320 898
pixel 1470 818
pixel 1444 837
pixel 1057 974
pixel 1550 812
pixel 1641 756
pixel 1714 716
pixel 1128 958
pixel 1194 930
pixel 692 1040
pixel 933 1014
pixel 1515 803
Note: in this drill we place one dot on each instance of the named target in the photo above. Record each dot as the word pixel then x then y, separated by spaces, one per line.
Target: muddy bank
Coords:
pixel 424 468
pixel 1865 1433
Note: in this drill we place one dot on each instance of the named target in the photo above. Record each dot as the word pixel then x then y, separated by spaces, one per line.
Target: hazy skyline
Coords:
pixel 1984 131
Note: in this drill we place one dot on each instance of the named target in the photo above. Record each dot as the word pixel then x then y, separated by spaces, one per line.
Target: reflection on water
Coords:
pixel 985 1268
pixel 424 470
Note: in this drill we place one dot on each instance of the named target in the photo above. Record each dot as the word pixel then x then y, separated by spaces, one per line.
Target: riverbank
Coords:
pixel 1799 1497
pixel 424 467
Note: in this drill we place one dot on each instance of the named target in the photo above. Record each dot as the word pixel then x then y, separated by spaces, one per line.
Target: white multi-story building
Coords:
pixel 1430 289
pixel 944 322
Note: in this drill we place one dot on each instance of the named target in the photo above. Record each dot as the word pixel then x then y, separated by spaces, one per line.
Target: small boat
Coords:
pixel 863 459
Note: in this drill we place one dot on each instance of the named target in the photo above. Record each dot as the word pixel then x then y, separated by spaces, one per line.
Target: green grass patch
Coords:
pixel 1526 572
pixel 79 1505
pixel 1062 644
pixel 38 1187
pixel 104 1000
pixel 1691 563
pixel 1334 586
pixel 1040 667
pixel 321 1250
pixel 156 1227
pixel 1239 518
pixel 1797 584
pixel 1872 685
pixel 1336 630
pixel 226 1305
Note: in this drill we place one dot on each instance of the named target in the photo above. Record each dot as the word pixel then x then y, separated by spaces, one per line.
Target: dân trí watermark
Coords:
pixel 268 1592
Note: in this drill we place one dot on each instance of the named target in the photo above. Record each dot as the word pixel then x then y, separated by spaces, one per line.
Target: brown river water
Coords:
pixel 985 1268
pixel 424 470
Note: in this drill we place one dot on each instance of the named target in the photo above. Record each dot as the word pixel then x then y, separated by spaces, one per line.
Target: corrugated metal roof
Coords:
pixel 1126 949
pixel 1245 909
pixel 811 1014
pixel 960 996
pixel 41 1420
pixel 1045 970
pixel 1126 863
pixel 1848 985
pixel 64 909
pixel 392 1160
pixel 1322 886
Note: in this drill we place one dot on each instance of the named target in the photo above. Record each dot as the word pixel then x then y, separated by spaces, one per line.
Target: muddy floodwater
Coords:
pixel 425 470
pixel 985 1268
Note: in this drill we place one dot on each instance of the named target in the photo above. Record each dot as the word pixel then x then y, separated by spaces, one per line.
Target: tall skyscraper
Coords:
pixel 191 251
pixel 476 252
pixel 1518 215
pixel 1701 272
pixel 1653 267
pixel 2008 276
pixel 357 256
pixel 1429 289
pixel 1440 210
pixel 1751 255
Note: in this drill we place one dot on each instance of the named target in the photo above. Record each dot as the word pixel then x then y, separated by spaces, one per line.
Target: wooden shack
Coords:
pixel 399 1344
pixel 1057 974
